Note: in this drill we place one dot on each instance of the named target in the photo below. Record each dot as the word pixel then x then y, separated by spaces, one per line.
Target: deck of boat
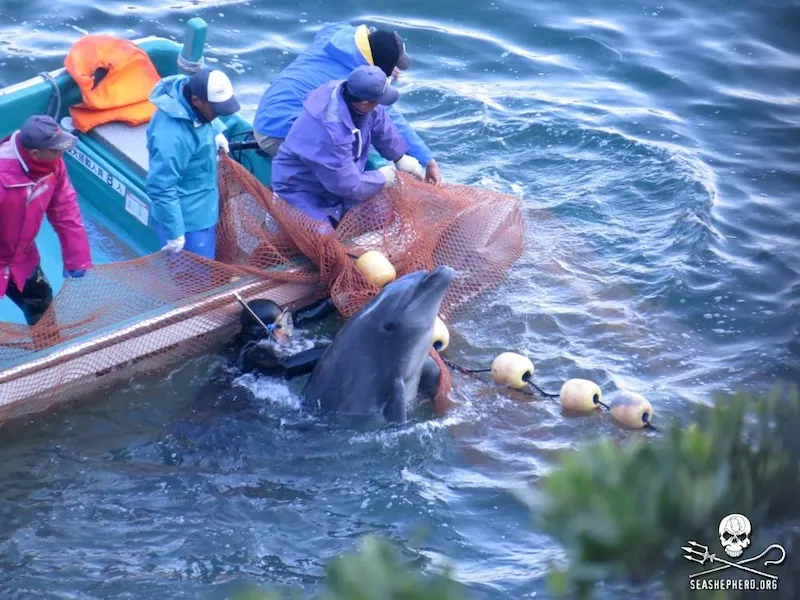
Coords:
pixel 34 381
pixel 76 368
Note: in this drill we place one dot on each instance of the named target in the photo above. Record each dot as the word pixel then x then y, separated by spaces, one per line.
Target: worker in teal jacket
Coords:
pixel 336 51
pixel 183 139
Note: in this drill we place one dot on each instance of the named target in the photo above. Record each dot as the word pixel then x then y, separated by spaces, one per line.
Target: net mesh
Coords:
pixel 145 313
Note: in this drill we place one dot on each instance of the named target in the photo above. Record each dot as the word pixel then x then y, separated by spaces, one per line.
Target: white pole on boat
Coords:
pixel 250 310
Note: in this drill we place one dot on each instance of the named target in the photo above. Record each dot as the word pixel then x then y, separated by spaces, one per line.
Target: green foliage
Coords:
pixel 625 511
pixel 376 573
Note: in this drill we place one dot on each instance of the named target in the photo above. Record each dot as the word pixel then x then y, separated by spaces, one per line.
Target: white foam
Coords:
pixel 270 389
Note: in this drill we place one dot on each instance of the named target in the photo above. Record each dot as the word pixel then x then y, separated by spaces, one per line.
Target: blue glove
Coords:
pixel 74 274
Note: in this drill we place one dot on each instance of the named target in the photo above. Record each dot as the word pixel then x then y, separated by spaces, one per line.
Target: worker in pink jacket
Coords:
pixel 34 182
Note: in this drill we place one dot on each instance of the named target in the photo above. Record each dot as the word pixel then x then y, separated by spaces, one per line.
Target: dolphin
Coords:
pixel 379 362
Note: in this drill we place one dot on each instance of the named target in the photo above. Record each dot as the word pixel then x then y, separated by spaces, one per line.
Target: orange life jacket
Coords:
pixel 115 77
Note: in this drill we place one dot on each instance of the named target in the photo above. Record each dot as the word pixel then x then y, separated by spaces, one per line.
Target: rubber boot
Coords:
pixel 315 312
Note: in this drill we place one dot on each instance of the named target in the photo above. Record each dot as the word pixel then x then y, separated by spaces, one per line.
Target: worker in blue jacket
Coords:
pixel 183 139
pixel 336 51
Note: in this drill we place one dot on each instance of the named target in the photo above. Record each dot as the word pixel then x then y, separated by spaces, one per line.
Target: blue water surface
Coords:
pixel 655 147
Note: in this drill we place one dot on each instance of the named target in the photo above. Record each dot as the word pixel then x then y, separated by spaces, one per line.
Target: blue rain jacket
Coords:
pixel 333 54
pixel 320 168
pixel 182 177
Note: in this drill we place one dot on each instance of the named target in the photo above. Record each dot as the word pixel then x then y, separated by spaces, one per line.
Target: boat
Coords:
pixel 108 167
pixel 137 310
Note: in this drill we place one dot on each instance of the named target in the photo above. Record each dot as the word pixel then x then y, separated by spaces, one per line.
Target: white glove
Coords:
pixel 175 245
pixel 409 164
pixel 388 172
pixel 222 142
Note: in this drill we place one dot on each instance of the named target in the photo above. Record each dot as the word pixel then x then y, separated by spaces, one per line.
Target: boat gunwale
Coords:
pixel 197 308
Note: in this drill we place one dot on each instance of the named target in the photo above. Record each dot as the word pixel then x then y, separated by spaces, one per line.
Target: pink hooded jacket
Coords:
pixel 23 204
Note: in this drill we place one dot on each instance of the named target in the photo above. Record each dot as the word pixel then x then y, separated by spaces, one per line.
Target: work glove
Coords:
pixel 175 245
pixel 74 273
pixel 222 142
pixel 389 173
pixel 409 164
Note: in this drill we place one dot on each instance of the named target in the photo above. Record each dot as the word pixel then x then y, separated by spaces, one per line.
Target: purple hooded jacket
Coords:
pixel 319 168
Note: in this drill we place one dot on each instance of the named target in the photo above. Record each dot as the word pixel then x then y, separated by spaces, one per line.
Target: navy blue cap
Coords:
pixel 370 83
pixel 41 132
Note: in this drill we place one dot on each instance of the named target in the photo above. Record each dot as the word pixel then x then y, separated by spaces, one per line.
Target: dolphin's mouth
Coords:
pixel 442 275
pixel 434 285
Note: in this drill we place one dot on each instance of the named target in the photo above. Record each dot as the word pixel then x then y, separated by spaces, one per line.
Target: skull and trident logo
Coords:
pixel 734 535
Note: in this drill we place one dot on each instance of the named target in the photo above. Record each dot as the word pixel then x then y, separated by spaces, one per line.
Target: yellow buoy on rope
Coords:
pixel 512 369
pixel 632 410
pixel 581 395
pixel 376 268
pixel 441 335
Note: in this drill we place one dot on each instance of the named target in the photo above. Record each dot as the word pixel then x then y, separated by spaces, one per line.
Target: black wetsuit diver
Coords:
pixel 266 359
pixel 251 356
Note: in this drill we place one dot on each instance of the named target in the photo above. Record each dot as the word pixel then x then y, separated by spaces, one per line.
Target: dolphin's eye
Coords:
pixel 388 326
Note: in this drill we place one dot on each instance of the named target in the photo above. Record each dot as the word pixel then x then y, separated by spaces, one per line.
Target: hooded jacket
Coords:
pixel 182 176
pixel 319 169
pixel 23 205
pixel 336 51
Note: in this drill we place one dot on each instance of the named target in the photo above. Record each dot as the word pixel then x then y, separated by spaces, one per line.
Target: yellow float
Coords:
pixel 441 335
pixel 632 410
pixel 376 268
pixel 581 395
pixel 512 369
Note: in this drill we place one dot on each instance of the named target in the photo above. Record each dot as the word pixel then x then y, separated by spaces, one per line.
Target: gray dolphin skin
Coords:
pixel 374 364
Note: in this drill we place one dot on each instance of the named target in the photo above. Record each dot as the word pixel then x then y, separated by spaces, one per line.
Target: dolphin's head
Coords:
pixel 387 340
pixel 405 310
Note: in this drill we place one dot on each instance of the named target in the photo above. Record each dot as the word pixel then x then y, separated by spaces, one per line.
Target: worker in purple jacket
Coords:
pixel 320 167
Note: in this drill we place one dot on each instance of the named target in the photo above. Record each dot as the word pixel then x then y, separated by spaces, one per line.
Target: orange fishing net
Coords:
pixel 414 224
pixel 125 318
pixel 143 314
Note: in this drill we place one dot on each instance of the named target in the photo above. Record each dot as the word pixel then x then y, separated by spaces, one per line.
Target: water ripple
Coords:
pixel 654 148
